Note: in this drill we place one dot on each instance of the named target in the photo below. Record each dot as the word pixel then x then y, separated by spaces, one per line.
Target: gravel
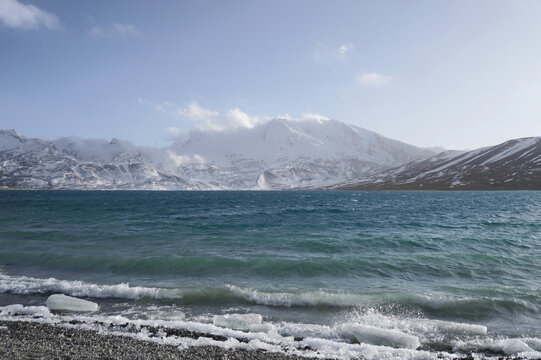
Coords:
pixel 27 340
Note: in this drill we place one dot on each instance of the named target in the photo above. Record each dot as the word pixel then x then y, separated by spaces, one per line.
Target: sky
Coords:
pixel 457 74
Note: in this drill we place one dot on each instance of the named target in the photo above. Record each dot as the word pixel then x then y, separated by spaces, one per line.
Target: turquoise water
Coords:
pixel 314 257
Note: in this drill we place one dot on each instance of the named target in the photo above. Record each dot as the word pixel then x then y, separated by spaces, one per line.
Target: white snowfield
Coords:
pixel 278 154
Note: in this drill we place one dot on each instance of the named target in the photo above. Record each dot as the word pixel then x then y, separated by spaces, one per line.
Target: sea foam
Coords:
pixel 29 285
pixel 326 341
pixel 303 298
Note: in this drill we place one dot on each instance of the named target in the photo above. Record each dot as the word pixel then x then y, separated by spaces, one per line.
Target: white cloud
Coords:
pixel 115 30
pixel 175 132
pixel 17 15
pixel 165 107
pixel 206 119
pixel 373 79
pixel 324 54
pixel 184 159
pixel 314 117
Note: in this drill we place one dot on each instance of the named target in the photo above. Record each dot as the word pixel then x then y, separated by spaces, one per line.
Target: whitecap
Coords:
pixel 29 285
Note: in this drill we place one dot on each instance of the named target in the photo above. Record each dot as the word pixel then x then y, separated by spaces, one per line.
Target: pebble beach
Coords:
pixel 28 340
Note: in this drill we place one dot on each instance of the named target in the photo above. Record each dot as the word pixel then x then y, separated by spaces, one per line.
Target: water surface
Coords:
pixel 387 259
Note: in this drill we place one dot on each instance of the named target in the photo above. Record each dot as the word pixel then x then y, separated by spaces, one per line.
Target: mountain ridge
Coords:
pixel 277 154
pixel 512 165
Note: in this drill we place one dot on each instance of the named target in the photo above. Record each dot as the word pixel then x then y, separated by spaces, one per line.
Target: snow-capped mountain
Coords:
pixel 289 154
pixel 73 163
pixel 278 154
pixel 514 164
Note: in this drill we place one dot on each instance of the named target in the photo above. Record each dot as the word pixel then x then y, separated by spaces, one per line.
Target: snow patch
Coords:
pixel 520 145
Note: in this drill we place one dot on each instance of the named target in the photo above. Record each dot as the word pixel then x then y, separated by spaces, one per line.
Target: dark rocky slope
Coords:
pixel 512 165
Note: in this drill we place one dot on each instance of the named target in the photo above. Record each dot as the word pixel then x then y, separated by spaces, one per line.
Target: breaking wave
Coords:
pixel 470 307
pixel 368 334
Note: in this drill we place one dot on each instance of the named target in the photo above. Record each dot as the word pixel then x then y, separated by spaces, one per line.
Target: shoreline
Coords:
pixel 33 340
pixel 20 339
pixel 326 189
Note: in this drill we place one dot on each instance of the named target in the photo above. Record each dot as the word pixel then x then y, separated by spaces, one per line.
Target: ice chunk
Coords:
pixel 506 346
pixel 378 336
pixel 68 303
pixel 238 321
pixel 512 346
pixel 306 330
pixel 447 327
pixel 18 309
pixel 266 328
pixel 174 315
pixel 534 343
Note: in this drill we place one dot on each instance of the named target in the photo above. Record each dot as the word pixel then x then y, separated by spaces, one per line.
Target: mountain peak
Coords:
pixel 279 153
pixel 10 139
pixel 12 132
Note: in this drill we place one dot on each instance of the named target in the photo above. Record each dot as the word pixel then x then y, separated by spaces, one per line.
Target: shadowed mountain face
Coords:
pixel 512 165
pixel 278 154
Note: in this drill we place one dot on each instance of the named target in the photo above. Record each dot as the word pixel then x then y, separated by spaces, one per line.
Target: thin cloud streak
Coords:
pixel 204 119
pixel 324 54
pixel 115 30
pixel 16 15
pixel 373 79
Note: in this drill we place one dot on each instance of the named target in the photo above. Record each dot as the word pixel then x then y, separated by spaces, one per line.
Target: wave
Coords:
pixel 190 295
pixel 414 267
pixel 300 298
pixel 443 306
pixel 28 285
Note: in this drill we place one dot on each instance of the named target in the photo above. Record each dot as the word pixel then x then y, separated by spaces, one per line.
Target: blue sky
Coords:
pixel 459 74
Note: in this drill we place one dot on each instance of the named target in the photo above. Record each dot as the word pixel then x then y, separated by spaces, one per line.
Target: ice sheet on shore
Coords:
pixel 61 302
pixel 238 321
pixel 505 346
pixel 379 336
pixel 307 340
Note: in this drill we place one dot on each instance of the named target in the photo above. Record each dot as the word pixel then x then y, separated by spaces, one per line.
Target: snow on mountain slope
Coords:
pixel 65 164
pixel 514 164
pixel 290 154
pixel 277 154
pixel 288 139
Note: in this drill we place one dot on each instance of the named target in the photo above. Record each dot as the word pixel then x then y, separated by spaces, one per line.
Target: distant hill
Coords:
pixel 512 165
